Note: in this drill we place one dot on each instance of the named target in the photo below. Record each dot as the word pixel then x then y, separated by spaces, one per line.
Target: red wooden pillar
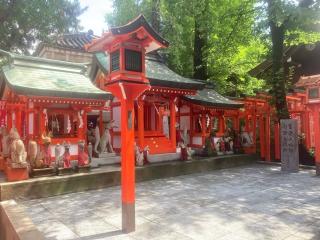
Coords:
pixel 262 137
pixel 221 125
pixel 41 123
pixel 237 124
pixel 191 124
pixel 307 129
pixel 141 123
pixel 316 128
pixel 85 125
pixel 9 120
pixel 204 128
pixel 127 165
pixel 18 123
pixel 267 130
pixel 254 131
pixel 101 123
pixel 161 110
pixel 277 141
pixel 173 136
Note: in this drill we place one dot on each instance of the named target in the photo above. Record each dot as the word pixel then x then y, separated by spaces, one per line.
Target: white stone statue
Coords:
pixel 105 141
pixel 165 124
pixel 32 153
pixel 185 136
pixel 17 150
pixel 138 155
pixel 246 139
pixel 97 139
pixel 58 153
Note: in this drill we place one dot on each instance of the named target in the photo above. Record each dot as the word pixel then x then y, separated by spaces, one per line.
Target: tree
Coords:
pixel 288 22
pixel 23 23
pixel 206 38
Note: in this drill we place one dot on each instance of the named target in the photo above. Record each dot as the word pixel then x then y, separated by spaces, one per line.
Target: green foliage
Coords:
pixel 288 23
pixel 231 49
pixel 22 23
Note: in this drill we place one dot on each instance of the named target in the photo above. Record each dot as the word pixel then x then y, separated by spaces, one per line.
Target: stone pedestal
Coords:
pixel 289 145
pixel 1 163
pixel 317 169
pixel 17 174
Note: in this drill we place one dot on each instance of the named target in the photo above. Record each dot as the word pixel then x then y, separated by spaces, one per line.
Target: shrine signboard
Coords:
pixel 289 145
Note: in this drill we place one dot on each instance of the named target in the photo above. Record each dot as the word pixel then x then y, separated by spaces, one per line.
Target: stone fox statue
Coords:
pixel 17 149
pixel 32 153
pixel 105 141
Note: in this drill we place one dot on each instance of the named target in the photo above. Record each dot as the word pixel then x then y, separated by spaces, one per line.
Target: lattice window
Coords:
pixel 314 93
pixel 133 60
pixel 115 61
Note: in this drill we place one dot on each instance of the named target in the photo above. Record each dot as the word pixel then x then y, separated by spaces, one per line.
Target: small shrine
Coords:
pixel 46 103
pixel 312 105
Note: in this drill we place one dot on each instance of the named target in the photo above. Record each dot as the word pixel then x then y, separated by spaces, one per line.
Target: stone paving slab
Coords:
pixel 244 203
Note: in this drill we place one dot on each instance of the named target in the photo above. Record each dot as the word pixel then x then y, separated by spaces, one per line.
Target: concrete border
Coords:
pixel 51 186
pixel 15 225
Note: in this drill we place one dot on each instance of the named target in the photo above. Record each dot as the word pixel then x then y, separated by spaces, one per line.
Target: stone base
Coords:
pixel 128 217
pixel 43 172
pixel 65 171
pixel 83 169
pixel 17 174
pixel 289 165
pixel 2 163
pixel 317 169
pixel 249 150
pixel 108 177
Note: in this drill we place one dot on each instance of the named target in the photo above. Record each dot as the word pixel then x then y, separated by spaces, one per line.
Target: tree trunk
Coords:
pixel 155 16
pixel 278 77
pixel 199 58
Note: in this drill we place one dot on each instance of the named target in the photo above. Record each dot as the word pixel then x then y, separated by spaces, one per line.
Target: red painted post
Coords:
pixel 204 128
pixel 127 165
pixel 254 131
pixel 18 121
pixel 141 123
pixel 267 130
pixel 307 129
pixel 262 137
pixel 316 128
pixel 173 136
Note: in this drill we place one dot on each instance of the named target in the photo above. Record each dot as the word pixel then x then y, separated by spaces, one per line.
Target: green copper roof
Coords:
pixel 32 76
pixel 211 98
pixel 157 72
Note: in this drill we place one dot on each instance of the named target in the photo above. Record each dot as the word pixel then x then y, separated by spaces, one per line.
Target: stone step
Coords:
pixel 97 162
pixel 153 158
pixel 106 155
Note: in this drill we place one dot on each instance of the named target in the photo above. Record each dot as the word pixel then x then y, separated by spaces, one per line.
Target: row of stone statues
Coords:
pixel 38 156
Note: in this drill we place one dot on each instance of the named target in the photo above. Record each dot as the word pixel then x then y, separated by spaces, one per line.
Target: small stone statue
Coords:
pixel 46 154
pixel 18 153
pixel 58 155
pixel 82 155
pixel 105 141
pixel 66 156
pixel 138 155
pixel 90 151
pixel 97 139
pixel 32 153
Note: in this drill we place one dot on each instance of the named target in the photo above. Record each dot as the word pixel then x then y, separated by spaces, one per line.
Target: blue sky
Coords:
pixel 93 18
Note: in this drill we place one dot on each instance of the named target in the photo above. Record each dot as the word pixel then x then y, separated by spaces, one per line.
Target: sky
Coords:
pixel 94 17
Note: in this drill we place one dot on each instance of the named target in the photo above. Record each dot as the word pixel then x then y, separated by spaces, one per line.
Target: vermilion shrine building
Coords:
pixel 40 93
